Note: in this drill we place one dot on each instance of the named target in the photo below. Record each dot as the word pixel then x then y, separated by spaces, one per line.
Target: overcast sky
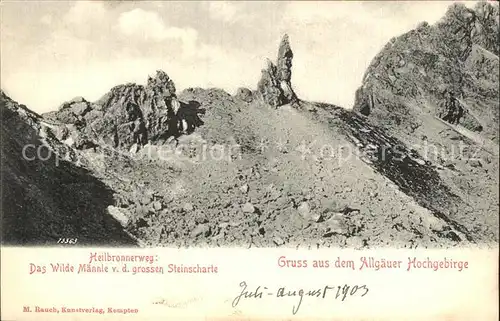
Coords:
pixel 54 51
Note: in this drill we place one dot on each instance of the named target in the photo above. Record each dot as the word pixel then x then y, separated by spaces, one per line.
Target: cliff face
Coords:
pixel 449 70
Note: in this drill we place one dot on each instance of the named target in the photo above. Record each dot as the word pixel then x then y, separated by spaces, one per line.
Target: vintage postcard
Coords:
pixel 259 160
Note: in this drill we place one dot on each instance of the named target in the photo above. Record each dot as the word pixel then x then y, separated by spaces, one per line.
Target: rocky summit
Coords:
pixel 415 164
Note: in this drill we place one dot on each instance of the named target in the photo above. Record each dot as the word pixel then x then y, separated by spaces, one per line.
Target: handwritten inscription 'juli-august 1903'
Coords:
pixel 325 292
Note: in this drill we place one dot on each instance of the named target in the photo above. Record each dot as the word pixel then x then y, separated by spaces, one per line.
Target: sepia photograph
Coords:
pixel 302 125
pixel 249 160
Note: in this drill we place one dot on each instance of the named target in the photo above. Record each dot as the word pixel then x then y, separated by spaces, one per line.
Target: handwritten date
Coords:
pixel 338 292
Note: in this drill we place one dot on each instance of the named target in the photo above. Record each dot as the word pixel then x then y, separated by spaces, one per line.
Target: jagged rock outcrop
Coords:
pixel 284 70
pixel 275 85
pixel 457 57
pixel 128 114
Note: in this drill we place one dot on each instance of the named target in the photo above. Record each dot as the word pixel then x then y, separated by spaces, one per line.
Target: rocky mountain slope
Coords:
pixel 45 197
pixel 149 166
pixel 436 89
pixel 447 69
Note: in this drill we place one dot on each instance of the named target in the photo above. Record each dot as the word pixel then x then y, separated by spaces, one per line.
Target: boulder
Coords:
pixel 201 230
pixel 157 205
pixel 188 207
pixel 244 94
pixel 119 215
pixel 335 225
pixel 248 208
pixel 134 149
pixel 307 213
pixel 244 188
pixel 278 240
pixel 475 163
